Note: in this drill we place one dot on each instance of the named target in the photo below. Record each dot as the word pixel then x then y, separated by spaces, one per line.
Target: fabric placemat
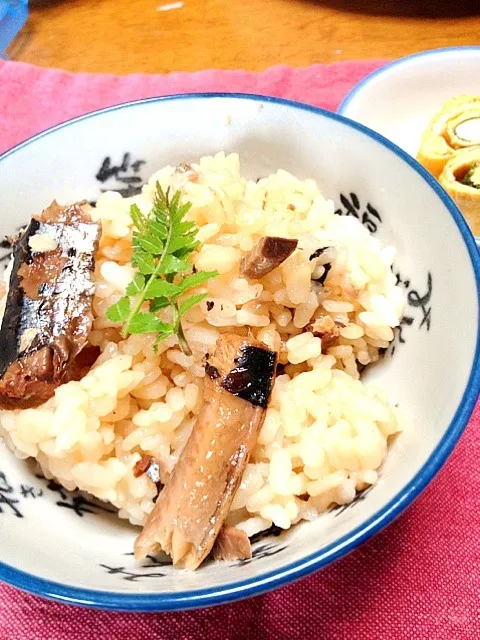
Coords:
pixel 418 579
pixel 32 98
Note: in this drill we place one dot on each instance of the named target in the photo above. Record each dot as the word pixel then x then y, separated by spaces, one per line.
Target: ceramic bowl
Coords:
pixel 62 545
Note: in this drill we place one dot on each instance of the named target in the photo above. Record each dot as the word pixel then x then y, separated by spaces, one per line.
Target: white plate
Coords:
pixel 399 99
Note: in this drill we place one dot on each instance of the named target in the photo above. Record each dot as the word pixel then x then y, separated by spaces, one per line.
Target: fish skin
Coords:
pixel 56 316
pixel 195 501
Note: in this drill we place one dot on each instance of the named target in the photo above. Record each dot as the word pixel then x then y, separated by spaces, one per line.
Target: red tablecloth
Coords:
pixel 419 579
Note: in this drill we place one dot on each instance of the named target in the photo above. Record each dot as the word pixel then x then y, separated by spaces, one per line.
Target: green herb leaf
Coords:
pixel 195 279
pixel 182 242
pixel 161 244
pixel 185 227
pixel 146 323
pixel 188 303
pixel 163 335
pixel 138 218
pixel 136 285
pixel 151 244
pixel 183 210
pixel 119 311
pixel 159 303
pixel 143 261
pixel 158 228
pixel 159 288
pixel 171 264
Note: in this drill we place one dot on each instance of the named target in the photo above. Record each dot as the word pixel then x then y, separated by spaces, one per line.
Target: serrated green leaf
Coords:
pixel 159 288
pixel 119 311
pixel 136 285
pixel 190 236
pixel 185 227
pixel 188 303
pixel 163 335
pixel 160 195
pixel 158 228
pixel 151 244
pixel 157 304
pixel 146 323
pixel 135 244
pixel 186 251
pixel 180 242
pixel 182 211
pixel 173 204
pixel 159 212
pixel 171 264
pixel 162 243
pixel 139 220
pixel 143 261
pixel 195 279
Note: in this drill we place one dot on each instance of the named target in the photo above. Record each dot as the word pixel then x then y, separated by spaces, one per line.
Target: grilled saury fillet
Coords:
pixel 195 501
pixel 48 313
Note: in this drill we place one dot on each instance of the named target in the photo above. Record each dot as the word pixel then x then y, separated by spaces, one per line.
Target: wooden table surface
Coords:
pixel 157 36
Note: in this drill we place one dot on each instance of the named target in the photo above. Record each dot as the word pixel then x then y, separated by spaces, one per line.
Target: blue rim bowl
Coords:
pixel 266 581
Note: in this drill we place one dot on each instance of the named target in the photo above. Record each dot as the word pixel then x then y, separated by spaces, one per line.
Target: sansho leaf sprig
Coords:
pixel 161 243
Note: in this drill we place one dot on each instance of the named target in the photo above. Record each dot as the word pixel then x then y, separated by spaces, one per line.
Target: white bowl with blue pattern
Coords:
pixel 63 546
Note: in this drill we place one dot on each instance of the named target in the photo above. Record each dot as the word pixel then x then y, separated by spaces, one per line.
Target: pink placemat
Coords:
pixel 419 579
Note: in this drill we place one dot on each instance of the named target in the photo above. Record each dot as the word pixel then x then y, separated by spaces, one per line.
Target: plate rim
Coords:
pixel 260 583
pixel 386 68
pixel 344 105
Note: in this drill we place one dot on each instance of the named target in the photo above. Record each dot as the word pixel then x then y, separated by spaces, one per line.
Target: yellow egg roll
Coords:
pixel 455 126
pixel 461 179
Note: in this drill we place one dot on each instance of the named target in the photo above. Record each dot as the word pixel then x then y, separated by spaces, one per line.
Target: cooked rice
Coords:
pixel 325 434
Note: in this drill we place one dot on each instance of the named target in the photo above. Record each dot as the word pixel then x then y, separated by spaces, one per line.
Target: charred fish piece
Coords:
pixel 266 255
pixel 48 311
pixel 195 501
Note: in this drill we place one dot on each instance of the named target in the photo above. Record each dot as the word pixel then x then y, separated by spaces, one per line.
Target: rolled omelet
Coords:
pixel 456 126
pixel 461 179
